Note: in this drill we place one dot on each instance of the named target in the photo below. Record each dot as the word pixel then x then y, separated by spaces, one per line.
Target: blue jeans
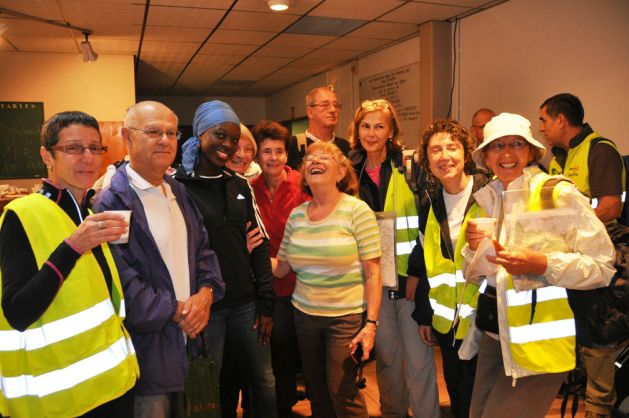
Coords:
pixel 236 324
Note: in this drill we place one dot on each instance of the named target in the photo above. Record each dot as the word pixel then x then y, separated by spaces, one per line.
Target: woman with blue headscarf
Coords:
pixel 243 318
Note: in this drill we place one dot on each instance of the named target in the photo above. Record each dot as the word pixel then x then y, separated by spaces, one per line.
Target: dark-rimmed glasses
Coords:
pixel 327 105
pixel 79 149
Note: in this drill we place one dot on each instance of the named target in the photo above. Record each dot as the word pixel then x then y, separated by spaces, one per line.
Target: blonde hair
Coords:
pixel 378 105
pixel 348 184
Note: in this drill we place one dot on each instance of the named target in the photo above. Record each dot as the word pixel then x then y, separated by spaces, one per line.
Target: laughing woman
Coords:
pixel 333 244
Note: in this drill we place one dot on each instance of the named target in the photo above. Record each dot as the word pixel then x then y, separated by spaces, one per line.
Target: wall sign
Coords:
pixel 20 127
pixel 401 87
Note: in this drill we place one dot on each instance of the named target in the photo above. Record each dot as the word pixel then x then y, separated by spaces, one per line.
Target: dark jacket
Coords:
pixel 148 289
pixel 433 196
pixel 227 204
pixel 375 195
pixel 295 155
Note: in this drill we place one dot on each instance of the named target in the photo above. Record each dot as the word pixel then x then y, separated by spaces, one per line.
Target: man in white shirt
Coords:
pixel 323 109
pixel 170 275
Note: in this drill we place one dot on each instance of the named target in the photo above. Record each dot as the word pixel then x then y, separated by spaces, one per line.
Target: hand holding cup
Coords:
pixel 479 228
pixel 98 228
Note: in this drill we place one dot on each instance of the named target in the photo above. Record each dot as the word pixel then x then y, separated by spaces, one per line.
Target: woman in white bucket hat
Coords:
pixel 526 337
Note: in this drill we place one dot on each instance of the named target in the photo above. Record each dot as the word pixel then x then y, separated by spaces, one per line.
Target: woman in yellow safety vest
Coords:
pixel 444 303
pixel 64 350
pixel 404 366
pixel 524 357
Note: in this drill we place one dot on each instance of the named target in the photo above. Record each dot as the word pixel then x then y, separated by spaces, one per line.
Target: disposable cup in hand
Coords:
pixel 486 225
pixel 124 238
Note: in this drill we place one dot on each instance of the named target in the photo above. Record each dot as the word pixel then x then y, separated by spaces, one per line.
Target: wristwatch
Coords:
pixel 371 321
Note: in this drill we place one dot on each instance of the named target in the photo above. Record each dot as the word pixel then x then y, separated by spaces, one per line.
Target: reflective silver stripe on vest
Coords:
pixel 402 248
pixel 58 380
pixel 123 310
pixel 448 279
pixel 58 330
pixel 448 313
pixel 543 294
pixel 544 331
pixel 407 222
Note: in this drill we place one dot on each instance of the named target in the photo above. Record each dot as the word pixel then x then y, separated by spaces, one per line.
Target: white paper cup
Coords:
pixel 124 238
pixel 487 225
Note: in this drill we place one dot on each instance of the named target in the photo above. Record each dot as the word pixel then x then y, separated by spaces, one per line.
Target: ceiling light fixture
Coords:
pixel 278 5
pixel 88 52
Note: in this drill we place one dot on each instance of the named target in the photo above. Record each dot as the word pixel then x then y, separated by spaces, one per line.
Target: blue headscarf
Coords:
pixel 207 115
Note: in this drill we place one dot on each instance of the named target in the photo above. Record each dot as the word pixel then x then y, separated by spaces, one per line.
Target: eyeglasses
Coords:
pixel 327 105
pixel 323 158
pixel 515 145
pixel 157 134
pixel 79 149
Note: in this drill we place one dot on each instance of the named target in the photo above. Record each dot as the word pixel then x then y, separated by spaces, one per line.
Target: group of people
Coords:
pixel 275 252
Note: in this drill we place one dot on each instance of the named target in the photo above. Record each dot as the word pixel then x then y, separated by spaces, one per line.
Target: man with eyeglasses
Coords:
pixel 323 109
pixel 598 171
pixel 170 275
pixel 480 118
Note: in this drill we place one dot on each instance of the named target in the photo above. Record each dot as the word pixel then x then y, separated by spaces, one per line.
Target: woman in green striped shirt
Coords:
pixel 333 244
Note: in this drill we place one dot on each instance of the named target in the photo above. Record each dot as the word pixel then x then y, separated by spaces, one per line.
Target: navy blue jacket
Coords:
pixel 148 289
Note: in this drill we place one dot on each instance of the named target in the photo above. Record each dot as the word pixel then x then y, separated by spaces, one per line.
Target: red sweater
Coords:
pixel 275 213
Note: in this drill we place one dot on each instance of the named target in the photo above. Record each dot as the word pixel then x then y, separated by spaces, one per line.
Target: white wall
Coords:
pixel 250 110
pixel 65 82
pixel 517 54
pixel 289 103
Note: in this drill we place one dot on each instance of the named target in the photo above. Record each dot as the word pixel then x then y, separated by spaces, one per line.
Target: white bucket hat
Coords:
pixel 506 124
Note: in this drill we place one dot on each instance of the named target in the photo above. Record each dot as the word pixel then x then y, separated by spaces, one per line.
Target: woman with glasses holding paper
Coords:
pixel 405 367
pixel 443 302
pixel 333 244
pixel 64 350
pixel 547 239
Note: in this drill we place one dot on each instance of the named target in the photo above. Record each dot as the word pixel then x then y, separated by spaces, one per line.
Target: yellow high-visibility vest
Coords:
pixel 78 354
pixel 401 200
pixel 447 285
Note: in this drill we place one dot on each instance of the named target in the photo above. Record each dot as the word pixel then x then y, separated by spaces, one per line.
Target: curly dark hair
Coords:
pixel 268 129
pixel 457 132
pixel 50 131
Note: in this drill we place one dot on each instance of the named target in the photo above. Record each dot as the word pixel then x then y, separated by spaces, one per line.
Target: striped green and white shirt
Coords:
pixel 327 257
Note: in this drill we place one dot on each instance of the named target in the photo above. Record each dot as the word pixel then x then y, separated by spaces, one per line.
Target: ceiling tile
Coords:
pixel 264 21
pixel 464 3
pixel 335 54
pixel 229 49
pixel 314 64
pixel 215 4
pixel 385 30
pixel 256 67
pixel 81 14
pixel 184 17
pixel 120 30
pixel 282 51
pixel 299 40
pixel 5 46
pixel 225 36
pixel 170 69
pixel 298 7
pixel 41 8
pixel 168 51
pixel 357 44
pixel 31 44
pixel 218 59
pixel 114 46
pixel 23 27
pixel 422 12
pixel 355 9
pixel 174 33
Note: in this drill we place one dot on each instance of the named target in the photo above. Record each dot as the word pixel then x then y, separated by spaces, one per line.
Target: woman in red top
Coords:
pixel 277 192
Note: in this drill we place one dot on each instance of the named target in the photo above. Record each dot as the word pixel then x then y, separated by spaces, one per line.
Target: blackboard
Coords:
pixel 20 126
